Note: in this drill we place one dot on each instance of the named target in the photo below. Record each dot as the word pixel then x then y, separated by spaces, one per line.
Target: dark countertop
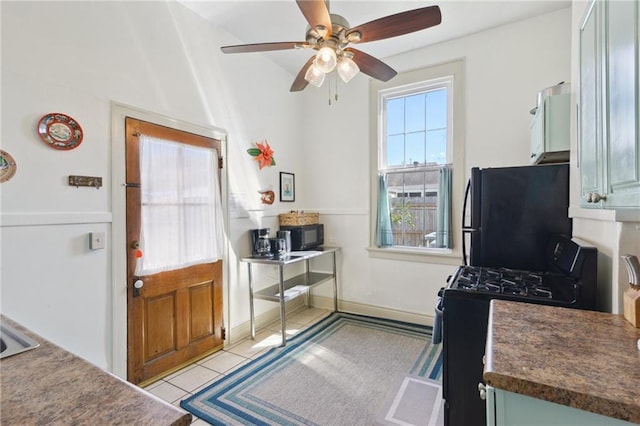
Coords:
pixel 582 359
pixel 49 385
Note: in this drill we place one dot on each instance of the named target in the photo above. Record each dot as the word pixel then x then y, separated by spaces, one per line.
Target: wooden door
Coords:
pixel 176 315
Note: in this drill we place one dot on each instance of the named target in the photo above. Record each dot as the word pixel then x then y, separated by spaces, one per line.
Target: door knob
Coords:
pixel 137 285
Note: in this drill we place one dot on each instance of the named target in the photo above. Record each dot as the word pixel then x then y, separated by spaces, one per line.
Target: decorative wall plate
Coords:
pixel 7 166
pixel 60 131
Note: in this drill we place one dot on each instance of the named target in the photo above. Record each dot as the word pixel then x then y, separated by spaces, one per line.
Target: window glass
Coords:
pixel 395 114
pixel 415 141
pixel 436 109
pixel 415 112
pixel 395 150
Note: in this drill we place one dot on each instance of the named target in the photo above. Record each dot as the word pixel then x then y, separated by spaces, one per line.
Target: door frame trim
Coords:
pixel 119 112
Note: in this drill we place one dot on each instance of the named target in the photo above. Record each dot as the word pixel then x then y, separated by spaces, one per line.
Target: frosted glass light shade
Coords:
pixel 347 69
pixel 314 76
pixel 326 59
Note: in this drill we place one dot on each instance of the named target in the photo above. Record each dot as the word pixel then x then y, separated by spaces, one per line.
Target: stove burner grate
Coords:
pixel 503 280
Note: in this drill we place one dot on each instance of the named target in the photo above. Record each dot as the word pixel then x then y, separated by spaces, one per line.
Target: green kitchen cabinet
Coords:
pixel 506 408
pixel 550 130
pixel 609 112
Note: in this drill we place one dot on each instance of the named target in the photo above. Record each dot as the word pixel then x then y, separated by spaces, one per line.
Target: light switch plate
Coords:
pixel 96 240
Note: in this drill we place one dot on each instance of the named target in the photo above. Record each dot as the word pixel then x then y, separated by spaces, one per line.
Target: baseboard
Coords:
pixel 372 311
pixel 292 307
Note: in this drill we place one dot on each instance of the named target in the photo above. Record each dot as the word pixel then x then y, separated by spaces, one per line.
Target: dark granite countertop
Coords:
pixel 49 385
pixel 582 359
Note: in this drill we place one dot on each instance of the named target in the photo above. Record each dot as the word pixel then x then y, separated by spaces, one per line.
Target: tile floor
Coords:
pixel 195 377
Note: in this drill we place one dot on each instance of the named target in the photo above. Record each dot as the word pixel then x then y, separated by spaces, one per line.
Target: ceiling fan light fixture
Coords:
pixel 347 69
pixel 314 76
pixel 326 59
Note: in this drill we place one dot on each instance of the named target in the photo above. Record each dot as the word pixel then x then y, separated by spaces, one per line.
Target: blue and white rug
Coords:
pixel 337 372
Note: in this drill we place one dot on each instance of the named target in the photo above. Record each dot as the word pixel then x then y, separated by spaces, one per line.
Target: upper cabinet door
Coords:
pixel 591 153
pixel 623 175
pixel 609 148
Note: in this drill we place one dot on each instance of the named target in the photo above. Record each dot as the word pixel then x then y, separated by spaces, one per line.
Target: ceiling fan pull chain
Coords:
pixel 329 87
pixel 336 83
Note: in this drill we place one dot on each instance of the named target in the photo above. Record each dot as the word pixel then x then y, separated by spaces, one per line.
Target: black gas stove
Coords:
pixel 569 281
pixel 516 284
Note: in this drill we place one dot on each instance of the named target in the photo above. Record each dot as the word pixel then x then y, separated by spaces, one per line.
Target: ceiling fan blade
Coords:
pixel 398 24
pixel 264 47
pixel 300 83
pixel 316 13
pixel 371 66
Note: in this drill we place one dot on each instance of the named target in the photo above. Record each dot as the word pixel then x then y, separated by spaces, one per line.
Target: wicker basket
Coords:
pixel 296 219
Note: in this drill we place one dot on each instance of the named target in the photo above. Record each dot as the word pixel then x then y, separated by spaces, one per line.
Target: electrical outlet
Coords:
pixel 96 240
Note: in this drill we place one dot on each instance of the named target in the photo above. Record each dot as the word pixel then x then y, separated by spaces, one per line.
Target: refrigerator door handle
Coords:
pixel 465 229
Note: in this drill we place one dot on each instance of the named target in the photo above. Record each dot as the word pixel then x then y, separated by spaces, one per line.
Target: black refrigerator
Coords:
pixel 509 213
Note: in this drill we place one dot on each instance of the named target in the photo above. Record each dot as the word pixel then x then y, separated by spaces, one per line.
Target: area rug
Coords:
pixel 415 401
pixel 337 372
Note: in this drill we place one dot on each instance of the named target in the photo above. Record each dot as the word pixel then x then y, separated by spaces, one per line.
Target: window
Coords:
pixel 417 150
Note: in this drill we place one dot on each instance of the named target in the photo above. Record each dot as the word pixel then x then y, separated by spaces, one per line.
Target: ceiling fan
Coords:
pixel 330 35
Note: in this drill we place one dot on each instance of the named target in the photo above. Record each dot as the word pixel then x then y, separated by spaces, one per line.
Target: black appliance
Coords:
pixel 305 237
pixel 520 250
pixel 512 212
pixel 569 281
pixel 260 245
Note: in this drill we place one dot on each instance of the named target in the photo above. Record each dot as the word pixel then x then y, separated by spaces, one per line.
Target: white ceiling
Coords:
pixel 261 21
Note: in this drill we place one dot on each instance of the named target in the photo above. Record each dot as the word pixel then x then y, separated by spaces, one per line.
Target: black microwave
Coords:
pixel 305 237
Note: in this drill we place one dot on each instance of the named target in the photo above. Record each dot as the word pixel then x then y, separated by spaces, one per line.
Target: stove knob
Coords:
pixel 483 391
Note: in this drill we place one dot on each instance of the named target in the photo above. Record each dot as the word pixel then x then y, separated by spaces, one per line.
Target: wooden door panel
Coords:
pixel 201 299
pixel 176 316
pixel 159 326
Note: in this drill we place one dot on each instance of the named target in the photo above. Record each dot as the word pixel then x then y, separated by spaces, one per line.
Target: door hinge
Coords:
pixel 220 162
pixel 223 333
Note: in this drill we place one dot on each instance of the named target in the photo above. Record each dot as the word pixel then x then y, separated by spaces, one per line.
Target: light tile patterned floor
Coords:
pixel 201 374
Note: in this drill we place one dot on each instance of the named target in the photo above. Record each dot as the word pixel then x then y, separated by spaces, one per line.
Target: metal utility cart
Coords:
pixel 289 289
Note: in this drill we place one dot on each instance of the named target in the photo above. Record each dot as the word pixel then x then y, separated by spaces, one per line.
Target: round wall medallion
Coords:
pixel 7 166
pixel 60 131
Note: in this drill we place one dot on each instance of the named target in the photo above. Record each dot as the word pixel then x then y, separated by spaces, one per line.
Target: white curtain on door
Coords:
pixel 181 211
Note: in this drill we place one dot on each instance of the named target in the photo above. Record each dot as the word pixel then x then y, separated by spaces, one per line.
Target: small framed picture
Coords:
pixel 287 186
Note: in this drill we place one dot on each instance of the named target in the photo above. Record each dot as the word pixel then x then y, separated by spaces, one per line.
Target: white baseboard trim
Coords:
pixel 372 311
pixel 292 307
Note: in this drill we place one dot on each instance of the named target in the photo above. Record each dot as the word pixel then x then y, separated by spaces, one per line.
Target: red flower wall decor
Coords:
pixel 263 154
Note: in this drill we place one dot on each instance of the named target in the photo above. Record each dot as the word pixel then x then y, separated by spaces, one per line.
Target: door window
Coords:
pixel 181 209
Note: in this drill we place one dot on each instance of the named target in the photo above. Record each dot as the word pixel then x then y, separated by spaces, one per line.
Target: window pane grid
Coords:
pixel 415 150
pixel 413 206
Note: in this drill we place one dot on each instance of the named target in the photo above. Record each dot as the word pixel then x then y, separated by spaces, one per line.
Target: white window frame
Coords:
pixel 406 83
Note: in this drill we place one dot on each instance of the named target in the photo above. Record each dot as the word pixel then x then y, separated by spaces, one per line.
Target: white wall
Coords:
pixel 78 57
pixel 505 67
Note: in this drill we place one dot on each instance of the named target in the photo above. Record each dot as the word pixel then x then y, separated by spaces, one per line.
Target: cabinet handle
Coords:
pixel 594 197
pixel 483 391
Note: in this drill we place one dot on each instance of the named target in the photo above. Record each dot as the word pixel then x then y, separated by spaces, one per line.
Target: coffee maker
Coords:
pixel 260 245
